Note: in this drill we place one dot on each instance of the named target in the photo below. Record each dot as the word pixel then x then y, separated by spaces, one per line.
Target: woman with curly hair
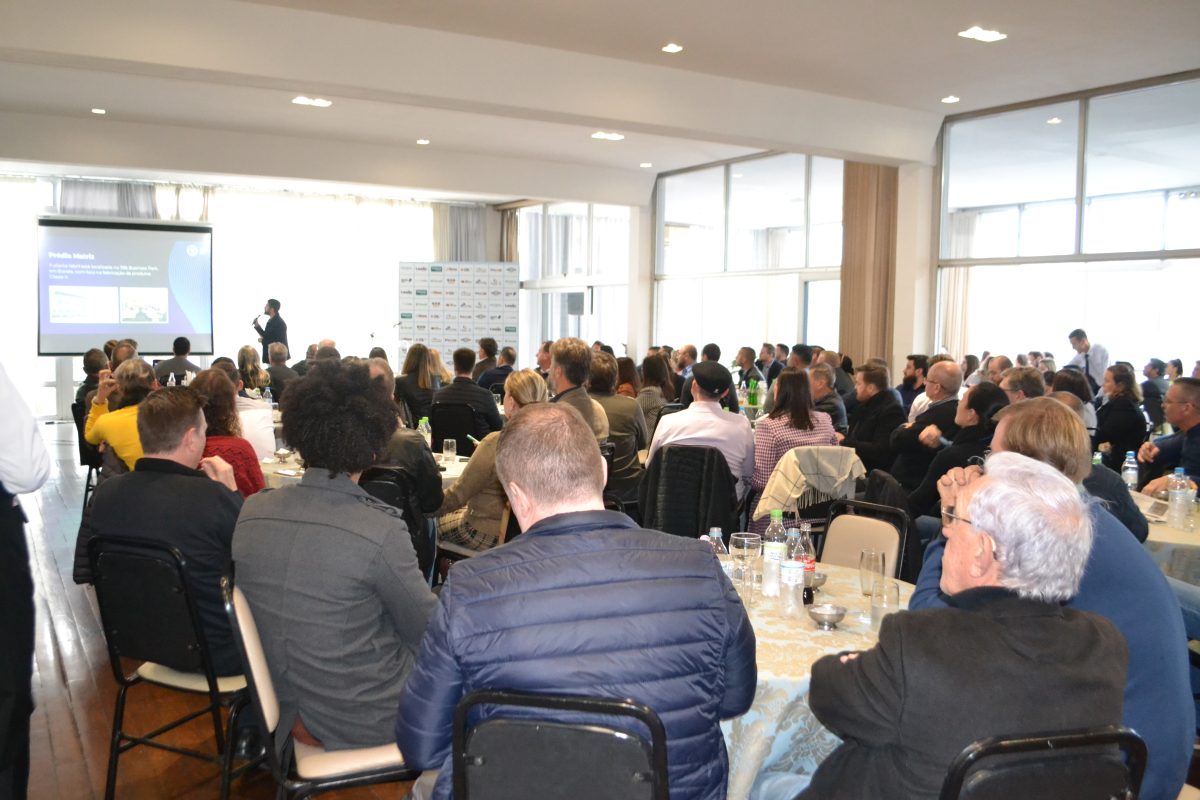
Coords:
pixel 330 571
pixel 250 369
pixel 224 434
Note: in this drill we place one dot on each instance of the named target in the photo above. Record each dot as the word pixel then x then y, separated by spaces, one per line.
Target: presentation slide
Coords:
pixel 101 280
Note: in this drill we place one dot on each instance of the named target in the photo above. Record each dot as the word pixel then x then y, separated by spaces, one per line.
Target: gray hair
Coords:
pixel 1040 523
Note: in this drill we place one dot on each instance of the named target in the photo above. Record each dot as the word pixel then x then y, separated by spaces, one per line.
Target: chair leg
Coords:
pixel 235 711
pixel 114 747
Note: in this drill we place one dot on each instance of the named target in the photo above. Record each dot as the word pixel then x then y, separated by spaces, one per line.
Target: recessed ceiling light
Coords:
pixel 422 141
pixel 1054 121
pixel 645 165
pixel 608 137
pixel 99 111
pixel 949 99
pixel 672 48
pixel 315 102
pixel 982 35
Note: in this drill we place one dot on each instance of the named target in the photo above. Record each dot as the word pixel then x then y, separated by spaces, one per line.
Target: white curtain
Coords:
pixel 956 284
pixel 459 233
pixel 108 199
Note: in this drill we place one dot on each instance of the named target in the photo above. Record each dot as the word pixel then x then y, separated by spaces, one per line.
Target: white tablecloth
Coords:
pixel 779 733
pixel 277 474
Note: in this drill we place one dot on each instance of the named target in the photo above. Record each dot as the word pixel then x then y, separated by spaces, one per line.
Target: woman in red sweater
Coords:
pixel 225 430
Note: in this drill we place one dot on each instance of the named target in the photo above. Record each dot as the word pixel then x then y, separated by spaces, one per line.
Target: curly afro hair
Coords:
pixel 338 418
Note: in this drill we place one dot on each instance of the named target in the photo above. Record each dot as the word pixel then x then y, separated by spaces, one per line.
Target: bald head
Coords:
pixel 943 381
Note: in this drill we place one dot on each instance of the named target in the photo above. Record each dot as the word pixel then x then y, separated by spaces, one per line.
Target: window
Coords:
pixel 693 230
pixel 822 313
pixel 767 214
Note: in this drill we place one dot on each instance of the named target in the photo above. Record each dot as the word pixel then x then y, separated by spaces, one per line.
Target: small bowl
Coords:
pixel 818 580
pixel 826 616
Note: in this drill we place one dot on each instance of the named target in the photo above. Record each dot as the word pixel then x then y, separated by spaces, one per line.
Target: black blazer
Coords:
pixel 1120 423
pixel 871 426
pixel 968 443
pixel 912 457
pixel 417 399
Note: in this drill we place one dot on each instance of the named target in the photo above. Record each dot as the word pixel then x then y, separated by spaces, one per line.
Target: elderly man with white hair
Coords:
pixel 1004 658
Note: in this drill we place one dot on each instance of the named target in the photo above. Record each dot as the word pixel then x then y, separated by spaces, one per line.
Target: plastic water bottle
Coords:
pixel 1179 496
pixel 774 550
pixel 426 432
pixel 1129 471
pixel 716 540
pixel 791 588
pixel 170 380
pixel 270 398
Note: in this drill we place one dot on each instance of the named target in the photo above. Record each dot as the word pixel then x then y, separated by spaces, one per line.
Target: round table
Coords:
pixel 279 474
pixel 780 733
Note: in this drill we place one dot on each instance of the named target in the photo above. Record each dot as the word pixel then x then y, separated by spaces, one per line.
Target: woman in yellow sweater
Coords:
pixel 113 416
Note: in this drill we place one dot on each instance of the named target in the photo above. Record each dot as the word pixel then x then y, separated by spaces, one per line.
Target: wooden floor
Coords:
pixel 73 685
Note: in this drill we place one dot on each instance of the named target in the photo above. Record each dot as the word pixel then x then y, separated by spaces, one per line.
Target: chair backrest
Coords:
pixel 452 421
pixel 848 531
pixel 668 408
pixel 394 486
pixel 254 657
pixel 146 606
pixel 539 756
pixel 89 454
pixel 1074 765
pixel 687 490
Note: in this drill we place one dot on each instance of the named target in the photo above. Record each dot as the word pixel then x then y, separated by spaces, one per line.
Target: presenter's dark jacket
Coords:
pixel 942 678
pixel 465 390
pixel 276 331
pixel 912 457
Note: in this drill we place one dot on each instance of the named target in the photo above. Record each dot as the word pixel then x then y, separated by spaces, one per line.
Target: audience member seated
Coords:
pixel 278 370
pixel 1071 380
pixel 656 388
pixel 1154 389
pixel 258 423
pixel 439 368
pixel 310 355
pixel 1174 369
pixel 916 367
pixel 873 420
pixel 705 424
pixel 114 422
pixel 916 443
pixel 970 370
pixel 543 362
pixel 570 364
pixel 1004 656
pixel 417 382
pixel 825 397
pixel 800 357
pixel 1021 383
pixel 996 368
pixel 747 371
pixel 626 427
pixel 548 611
pixel 94 360
pixel 974 419
pixel 223 436
pixel 843 384
pixel 464 390
pixel 1120 424
pixel 684 359
pixel 1181 407
pixel 330 571
pixel 628 382
pixel 178 365
pixel 407 448
pixel 471 511
pixel 254 378
pixel 767 363
pixel 177 497
pixel 487 357
pixel 1120 582
pixel 710 352
pixel 793 422
pixel 498 374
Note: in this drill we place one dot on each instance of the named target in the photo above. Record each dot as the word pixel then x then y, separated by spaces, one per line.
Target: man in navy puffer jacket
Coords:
pixel 584 603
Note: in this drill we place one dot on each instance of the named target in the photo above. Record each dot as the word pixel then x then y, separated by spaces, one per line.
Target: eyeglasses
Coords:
pixel 949 516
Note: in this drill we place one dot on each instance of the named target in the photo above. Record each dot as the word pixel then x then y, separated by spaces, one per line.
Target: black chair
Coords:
pixel 896 517
pixel 148 615
pixel 89 454
pixel 501 757
pixel 669 408
pixel 303 770
pixel 688 490
pixel 394 486
pixel 1074 765
pixel 452 421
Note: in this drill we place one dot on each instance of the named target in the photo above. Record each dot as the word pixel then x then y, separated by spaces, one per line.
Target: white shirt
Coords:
pixel 706 424
pixel 921 404
pixel 258 426
pixel 24 462
pixel 1094 360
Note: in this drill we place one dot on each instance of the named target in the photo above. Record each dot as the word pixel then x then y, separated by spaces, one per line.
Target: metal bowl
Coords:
pixel 818 580
pixel 826 616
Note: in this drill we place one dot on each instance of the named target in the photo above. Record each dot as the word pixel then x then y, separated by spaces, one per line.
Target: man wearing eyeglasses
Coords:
pixel 1181 407
pixel 1005 648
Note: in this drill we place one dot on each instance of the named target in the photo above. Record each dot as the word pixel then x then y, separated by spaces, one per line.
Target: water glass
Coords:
pixel 745 548
pixel 885 599
pixel 870 567
pixel 449 450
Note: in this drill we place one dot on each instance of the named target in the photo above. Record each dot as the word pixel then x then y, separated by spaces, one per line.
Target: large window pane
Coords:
pixel 567 239
pixel 1007 159
pixel 1048 229
pixel 610 240
pixel 822 313
pixel 1140 142
pixel 1183 220
pixel 766 214
pixel 825 213
pixel 1124 223
pixel 693 222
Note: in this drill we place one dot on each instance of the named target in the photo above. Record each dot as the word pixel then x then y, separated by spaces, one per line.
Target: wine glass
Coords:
pixel 744 548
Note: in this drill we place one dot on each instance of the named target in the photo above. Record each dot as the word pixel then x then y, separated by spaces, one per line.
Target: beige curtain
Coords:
pixel 508 235
pixel 868 260
pixel 956 284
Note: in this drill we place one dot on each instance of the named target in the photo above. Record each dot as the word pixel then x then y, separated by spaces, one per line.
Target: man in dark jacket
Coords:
pixel 1154 389
pixel 501 624
pixel 499 373
pixel 872 421
pixel 1005 655
pixel 916 443
pixel 464 390
pixel 276 330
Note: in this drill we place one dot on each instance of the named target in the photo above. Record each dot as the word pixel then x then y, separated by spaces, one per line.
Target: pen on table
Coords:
pixel 473 439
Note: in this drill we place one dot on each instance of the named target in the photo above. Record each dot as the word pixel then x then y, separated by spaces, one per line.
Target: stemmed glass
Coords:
pixel 745 548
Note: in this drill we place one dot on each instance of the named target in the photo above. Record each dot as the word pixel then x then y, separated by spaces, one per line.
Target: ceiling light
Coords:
pixel 672 48
pixel 981 35
pixel 608 137
pixel 315 102
pixel 1054 121
pixel 645 165
pixel 422 141
pixel 99 111
pixel 949 99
